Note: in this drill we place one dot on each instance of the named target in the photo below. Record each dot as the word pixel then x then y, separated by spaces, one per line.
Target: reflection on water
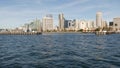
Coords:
pixel 60 51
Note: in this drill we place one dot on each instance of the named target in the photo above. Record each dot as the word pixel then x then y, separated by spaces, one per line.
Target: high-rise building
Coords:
pixel 47 23
pixel 99 20
pixel 69 25
pixel 61 21
pixel 116 24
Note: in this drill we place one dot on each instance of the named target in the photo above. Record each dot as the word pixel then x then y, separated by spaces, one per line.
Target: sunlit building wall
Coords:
pixel 116 24
pixel 61 21
pixel 83 24
pixel 77 24
pixel 90 25
pixel 47 23
pixel 99 19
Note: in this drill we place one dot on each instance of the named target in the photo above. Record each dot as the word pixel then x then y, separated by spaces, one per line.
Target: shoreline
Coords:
pixel 45 33
pixel 42 33
pixel 66 32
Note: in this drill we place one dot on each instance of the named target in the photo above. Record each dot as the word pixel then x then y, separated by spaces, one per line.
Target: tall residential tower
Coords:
pixel 61 21
pixel 99 20
pixel 47 23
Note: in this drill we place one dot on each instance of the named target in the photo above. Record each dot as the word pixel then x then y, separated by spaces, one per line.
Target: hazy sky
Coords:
pixel 15 13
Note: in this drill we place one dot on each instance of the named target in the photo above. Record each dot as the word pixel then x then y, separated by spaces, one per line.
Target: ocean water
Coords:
pixel 60 51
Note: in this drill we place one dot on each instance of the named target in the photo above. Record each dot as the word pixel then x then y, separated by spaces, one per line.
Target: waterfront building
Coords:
pixel 47 23
pixel 116 24
pixel 104 24
pixel 110 26
pixel 80 24
pixel 90 25
pixel 77 24
pixel 26 28
pixel 69 25
pixel 83 24
pixel 56 28
pixel 35 25
pixel 23 28
pixel 61 22
pixel 66 23
pixel 110 23
pixel 99 20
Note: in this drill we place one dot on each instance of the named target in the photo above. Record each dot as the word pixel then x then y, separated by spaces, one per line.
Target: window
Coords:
pixel 115 24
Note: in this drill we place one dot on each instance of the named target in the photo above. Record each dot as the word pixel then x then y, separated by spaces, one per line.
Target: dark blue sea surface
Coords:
pixel 60 51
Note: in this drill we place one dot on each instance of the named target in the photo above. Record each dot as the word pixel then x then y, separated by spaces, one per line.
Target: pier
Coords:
pixel 20 33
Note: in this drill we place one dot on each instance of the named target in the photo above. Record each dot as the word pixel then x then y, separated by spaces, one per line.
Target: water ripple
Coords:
pixel 60 51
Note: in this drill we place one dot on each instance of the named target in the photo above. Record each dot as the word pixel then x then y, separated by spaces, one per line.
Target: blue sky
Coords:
pixel 14 13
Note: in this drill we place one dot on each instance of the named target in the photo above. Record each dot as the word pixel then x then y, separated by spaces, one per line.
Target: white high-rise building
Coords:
pixel 61 21
pixel 99 20
pixel 47 23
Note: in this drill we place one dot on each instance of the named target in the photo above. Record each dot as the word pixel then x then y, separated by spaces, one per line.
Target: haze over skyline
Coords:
pixel 14 13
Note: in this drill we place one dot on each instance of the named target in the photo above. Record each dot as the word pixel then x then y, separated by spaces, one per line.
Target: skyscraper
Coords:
pixel 61 21
pixel 47 23
pixel 99 20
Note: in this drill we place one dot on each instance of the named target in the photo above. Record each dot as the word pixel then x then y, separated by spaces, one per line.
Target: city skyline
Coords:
pixel 15 13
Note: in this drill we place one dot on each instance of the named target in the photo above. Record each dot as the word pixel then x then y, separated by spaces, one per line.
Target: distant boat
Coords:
pixel 105 32
pixel 101 32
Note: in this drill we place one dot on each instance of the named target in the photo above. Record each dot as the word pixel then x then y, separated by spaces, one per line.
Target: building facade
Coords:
pixel 47 23
pixel 99 20
pixel 90 25
pixel 69 25
pixel 83 24
pixel 61 22
pixel 116 24
pixel 35 25
pixel 104 24
pixel 77 24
